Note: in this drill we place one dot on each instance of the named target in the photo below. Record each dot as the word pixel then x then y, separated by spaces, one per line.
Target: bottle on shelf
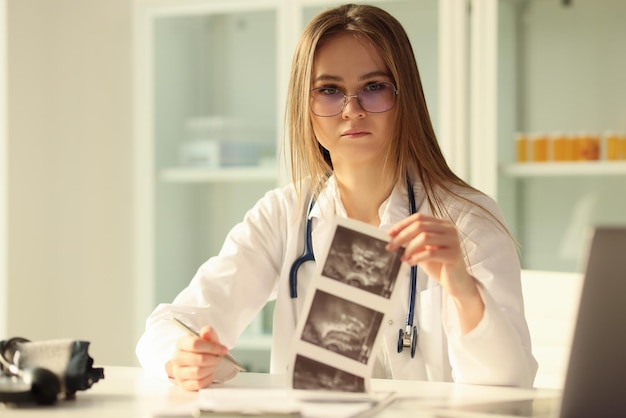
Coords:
pixel 540 147
pixel 615 146
pixel 562 147
pixel 589 149
pixel 521 147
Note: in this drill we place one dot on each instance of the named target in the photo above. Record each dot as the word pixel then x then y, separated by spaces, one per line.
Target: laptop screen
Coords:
pixel 594 385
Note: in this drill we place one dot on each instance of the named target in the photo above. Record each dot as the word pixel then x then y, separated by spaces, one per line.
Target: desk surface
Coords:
pixel 128 392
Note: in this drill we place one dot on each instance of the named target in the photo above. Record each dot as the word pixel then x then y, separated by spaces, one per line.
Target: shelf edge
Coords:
pixel 216 175
pixel 582 168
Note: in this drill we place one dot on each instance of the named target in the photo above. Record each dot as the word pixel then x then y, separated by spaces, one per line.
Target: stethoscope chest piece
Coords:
pixel 407 338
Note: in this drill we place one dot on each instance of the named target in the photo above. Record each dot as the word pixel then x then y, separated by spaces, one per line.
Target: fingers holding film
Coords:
pixel 424 238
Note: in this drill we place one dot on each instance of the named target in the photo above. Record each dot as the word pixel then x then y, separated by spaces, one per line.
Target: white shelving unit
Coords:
pixel 552 76
pixel 195 90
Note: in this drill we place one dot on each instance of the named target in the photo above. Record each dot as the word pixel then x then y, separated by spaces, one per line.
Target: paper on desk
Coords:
pixel 338 330
pixel 281 402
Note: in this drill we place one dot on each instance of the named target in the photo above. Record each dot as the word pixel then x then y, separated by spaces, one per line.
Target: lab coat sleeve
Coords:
pixel 229 289
pixel 498 350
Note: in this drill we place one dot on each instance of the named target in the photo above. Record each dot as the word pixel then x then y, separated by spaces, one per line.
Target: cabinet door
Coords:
pixel 560 76
pixel 213 123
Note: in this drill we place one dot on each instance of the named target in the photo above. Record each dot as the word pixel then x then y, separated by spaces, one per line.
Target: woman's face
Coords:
pixel 347 64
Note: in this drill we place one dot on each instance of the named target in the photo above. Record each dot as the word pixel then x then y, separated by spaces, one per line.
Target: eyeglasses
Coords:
pixel 376 97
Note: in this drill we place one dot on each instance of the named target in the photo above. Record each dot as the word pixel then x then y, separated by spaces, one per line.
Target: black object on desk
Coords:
pixel 42 371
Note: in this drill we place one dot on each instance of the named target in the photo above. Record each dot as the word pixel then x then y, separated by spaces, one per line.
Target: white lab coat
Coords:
pixel 253 267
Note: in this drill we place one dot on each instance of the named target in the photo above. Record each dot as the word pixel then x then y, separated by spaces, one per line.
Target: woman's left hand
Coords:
pixel 434 245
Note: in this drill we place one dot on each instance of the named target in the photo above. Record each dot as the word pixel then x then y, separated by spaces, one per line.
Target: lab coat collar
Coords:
pixel 397 207
pixel 328 201
pixel 392 210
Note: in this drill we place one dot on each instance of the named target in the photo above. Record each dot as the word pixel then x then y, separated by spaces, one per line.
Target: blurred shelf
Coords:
pixel 219 175
pixel 566 169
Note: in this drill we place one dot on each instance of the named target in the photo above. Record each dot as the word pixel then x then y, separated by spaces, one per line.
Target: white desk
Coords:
pixel 128 392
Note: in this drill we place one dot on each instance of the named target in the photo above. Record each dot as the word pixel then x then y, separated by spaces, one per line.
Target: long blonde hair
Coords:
pixel 414 149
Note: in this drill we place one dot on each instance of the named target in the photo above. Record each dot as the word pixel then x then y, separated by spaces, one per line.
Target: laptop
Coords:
pixel 594 384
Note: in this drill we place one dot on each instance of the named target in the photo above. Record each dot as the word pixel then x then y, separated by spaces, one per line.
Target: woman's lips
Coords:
pixel 354 133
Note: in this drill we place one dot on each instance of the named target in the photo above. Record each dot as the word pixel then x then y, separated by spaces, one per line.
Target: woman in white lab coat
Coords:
pixel 360 134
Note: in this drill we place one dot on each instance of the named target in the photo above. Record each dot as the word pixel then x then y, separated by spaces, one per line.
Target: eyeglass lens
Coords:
pixel 373 98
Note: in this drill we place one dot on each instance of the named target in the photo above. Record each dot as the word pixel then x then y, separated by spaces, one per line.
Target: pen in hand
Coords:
pixel 195 333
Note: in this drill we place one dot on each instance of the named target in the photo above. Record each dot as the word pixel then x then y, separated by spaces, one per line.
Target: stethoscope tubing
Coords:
pixel 307 254
pixel 413 285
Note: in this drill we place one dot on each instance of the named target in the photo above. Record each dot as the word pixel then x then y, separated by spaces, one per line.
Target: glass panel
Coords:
pixel 215 107
pixel 420 20
pixel 561 73
pixel 215 82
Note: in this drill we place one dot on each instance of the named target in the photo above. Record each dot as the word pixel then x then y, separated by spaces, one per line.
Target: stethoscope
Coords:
pixel 407 337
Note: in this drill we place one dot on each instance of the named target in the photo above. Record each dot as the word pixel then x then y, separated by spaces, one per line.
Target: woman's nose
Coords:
pixel 352 107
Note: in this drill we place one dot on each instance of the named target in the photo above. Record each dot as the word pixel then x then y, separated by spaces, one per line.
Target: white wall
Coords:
pixel 551 304
pixel 582 46
pixel 3 173
pixel 70 243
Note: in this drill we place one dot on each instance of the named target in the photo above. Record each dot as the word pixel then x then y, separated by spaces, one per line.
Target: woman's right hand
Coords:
pixel 195 360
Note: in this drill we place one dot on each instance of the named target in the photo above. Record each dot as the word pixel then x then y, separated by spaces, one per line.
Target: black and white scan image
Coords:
pixel 362 261
pixel 313 375
pixel 342 326
pixel 346 303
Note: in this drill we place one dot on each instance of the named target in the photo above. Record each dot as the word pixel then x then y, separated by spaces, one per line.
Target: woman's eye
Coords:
pixel 328 91
pixel 374 87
